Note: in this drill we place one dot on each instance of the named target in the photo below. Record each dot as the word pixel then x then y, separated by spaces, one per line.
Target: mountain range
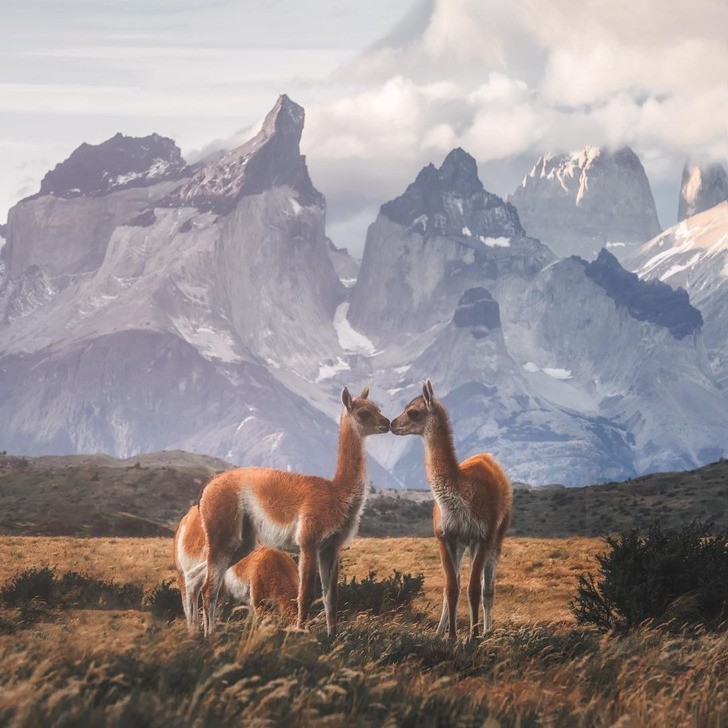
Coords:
pixel 146 304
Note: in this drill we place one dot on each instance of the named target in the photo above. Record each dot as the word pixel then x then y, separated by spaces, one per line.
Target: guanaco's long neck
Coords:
pixel 351 463
pixel 441 462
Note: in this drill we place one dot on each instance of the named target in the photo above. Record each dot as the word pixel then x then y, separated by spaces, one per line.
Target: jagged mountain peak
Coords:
pixel 451 201
pixel 459 167
pixel 94 170
pixel 271 158
pixel 286 117
pixel 579 202
pixel 703 186
pixel 574 170
pixel 652 301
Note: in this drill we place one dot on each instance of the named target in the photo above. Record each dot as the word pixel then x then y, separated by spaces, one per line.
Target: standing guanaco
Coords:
pixel 473 502
pixel 265 578
pixel 287 510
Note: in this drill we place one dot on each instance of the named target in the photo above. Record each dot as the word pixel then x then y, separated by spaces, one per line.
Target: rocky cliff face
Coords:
pixel 61 233
pixel 581 202
pixel 703 187
pixel 693 255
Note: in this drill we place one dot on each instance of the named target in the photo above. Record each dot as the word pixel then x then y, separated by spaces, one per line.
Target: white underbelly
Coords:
pixel 269 532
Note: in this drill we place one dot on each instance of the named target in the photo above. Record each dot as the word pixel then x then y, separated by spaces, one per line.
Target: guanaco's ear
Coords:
pixel 365 393
pixel 346 399
pixel 427 395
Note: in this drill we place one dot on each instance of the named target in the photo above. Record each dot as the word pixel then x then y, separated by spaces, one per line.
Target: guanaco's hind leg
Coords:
pixel 448 557
pixel 186 606
pixel 444 617
pixel 193 586
pixel 478 557
pixel 489 569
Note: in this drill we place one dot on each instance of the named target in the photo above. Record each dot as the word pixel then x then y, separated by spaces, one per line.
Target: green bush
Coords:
pixel 28 585
pixel 165 601
pixel 72 589
pixel 678 575
pixel 379 596
pixel 84 590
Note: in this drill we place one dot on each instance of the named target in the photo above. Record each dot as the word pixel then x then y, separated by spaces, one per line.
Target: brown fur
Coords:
pixel 273 579
pixel 271 574
pixel 288 510
pixel 473 504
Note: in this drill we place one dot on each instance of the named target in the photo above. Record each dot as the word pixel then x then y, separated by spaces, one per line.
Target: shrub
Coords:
pixel 165 601
pixel 71 589
pixel 377 597
pixel 78 589
pixel 28 585
pixel 679 575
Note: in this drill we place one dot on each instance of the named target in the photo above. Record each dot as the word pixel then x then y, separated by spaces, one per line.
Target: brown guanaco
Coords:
pixel 291 511
pixel 473 502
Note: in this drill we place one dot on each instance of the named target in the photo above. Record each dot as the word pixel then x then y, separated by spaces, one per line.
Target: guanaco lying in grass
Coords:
pixel 264 579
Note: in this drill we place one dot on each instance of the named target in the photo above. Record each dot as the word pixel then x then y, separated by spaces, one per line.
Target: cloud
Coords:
pixel 513 80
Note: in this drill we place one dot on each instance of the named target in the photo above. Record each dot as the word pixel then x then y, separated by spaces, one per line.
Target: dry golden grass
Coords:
pixel 112 667
pixel 535 579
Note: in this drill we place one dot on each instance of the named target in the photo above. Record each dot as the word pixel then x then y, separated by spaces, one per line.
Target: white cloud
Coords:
pixel 520 78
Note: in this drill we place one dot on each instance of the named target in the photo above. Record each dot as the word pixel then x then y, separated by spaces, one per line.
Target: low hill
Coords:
pixel 97 495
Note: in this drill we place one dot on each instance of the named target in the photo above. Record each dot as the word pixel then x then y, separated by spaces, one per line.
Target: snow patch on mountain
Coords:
pixel 349 339
pixel 556 373
pixel 327 371
pixel 553 372
pixel 210 342
pixel 495 242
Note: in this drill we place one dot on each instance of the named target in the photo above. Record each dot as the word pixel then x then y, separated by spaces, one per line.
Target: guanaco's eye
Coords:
pixel 413 414
pixel 365 415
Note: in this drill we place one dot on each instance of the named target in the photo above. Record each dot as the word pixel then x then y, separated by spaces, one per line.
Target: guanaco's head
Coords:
pixel 363 414
pixel 418 415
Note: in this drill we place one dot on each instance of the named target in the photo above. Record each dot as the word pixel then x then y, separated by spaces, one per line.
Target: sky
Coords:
pixel 388 86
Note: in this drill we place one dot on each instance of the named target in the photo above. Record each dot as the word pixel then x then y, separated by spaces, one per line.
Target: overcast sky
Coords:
pixel 388 87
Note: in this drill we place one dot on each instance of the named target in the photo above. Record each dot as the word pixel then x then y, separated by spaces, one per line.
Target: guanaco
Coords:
pixel 266 578
pixel 287 511
pixel 473 502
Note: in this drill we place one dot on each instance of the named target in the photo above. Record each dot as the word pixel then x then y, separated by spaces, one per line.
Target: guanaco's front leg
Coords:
pixel 328 559
pixel 448 557
pixel 307 582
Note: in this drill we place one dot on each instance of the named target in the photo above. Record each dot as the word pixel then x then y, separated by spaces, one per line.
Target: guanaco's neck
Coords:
pixel 351 463
pixel 440 459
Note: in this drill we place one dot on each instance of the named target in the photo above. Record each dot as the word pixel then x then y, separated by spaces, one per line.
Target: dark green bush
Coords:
pixel 165 601
pixel 678 575
pixel 78 589
pixel 379 596
pixel 72 589
pixel 28 585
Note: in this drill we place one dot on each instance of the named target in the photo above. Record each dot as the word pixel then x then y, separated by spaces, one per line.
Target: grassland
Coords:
pixel 126 667
pixel 146 495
